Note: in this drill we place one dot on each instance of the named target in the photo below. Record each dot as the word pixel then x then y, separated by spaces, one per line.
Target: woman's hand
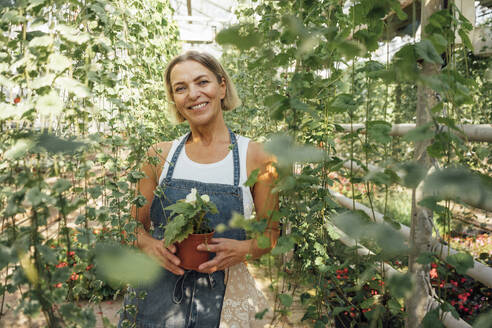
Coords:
pixel 164 255
pixel 228 252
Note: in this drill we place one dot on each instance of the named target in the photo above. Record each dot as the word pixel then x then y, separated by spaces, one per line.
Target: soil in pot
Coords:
pixel 190 257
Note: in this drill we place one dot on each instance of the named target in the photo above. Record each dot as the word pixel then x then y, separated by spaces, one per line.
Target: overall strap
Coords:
pixel 235 156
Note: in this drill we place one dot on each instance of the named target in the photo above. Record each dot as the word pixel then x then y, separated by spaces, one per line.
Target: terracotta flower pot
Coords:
pixel 190 257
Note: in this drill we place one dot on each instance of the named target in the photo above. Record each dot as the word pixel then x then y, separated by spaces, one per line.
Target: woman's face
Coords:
pixel 197 93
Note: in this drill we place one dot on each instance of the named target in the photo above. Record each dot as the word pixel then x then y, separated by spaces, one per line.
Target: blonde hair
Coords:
pixel 230 101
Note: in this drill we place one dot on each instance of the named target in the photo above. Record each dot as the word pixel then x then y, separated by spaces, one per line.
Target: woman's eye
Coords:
pixel 179 89
pixel 203 82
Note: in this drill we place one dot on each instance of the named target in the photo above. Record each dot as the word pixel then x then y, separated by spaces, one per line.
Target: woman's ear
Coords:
pixel 223 89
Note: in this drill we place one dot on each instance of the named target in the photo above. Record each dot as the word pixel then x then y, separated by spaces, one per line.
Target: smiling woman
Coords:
pixel 212 160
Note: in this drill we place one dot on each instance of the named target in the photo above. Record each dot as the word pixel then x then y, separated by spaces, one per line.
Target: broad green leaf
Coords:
pixel 178 229
pixel 54 144
pixel 263 242
pixel 261 314
pixel 432 320
pixel 460 184
pixel 72 34
pixel 82 317
pixel 394 306
pixel 48 254
pixel 421 133
pixel 343 102
pixel 35 196
pixel 356 224
pixel 284 245
pixel 350 49
pixel 288 152
pixel 285 299
pixel 50 104
pixel 86 236
pixel 379 131
pixel 400 284
pixel 19 149
pixel 41 41
pixel 73 86
pixel 483 320
pixel 43 81
pixel 412 174
pixel 253 177
pixel 461 262
pixel 242 36
pixel 396 6
pixel 119 265
pixel 61 185
pixel 58 62
pixel 425 50
pixel 426 258
pixel 5 256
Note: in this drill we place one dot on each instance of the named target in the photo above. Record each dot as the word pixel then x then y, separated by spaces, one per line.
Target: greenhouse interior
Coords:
pixel 333 156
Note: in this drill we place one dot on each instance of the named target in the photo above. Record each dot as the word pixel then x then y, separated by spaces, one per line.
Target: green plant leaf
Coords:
pixel 54 144
pixel 41 41
pixel 421 133
pixel 50 104
pixel 243 37
pixel 43 81
pixel 19 149
pixel 253 177
pixel 119 265
pixel 73 86
pixel 285 299
pixel 263 242
pixel 72 34
pixel 483 320
pixel 425 50
pixel 58 62
pixel 343 102
pixel 379 131
pixel 287 152
pixel 284 244
pixel 178 229
pixel 432 320
pixel 461 262
pixel 400 284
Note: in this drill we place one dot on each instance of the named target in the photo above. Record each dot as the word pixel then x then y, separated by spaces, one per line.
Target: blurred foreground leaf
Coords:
pixel 356 225
pixel 119 265
pixel 400 284
pixel 483 321
pixel 288 152
pixel 461 262
pixel 241 36
pixel 460 184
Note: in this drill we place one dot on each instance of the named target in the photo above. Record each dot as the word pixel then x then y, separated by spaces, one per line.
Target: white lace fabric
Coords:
pixel 242 300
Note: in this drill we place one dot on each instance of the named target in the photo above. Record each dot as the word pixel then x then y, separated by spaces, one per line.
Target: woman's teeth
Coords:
pixel 199 106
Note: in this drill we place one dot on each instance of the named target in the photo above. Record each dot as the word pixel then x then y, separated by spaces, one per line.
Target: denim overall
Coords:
pixel 193 299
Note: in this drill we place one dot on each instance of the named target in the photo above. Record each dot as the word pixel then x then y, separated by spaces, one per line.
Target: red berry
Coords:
pixel 17 100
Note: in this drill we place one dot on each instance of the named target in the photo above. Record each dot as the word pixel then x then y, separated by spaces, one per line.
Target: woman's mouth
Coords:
pixel 198 107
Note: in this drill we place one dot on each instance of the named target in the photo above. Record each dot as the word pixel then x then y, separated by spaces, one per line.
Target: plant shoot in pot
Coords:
pixel 190 227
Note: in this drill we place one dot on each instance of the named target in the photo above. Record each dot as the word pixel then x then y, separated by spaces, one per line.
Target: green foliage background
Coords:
pixel 82 99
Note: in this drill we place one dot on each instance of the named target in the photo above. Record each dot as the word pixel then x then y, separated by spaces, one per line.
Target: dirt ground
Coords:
pixel 110 309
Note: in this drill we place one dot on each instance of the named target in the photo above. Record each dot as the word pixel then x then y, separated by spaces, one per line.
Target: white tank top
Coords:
pixel 218 172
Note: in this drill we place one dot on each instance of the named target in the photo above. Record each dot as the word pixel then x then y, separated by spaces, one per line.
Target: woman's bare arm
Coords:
pixel 146 186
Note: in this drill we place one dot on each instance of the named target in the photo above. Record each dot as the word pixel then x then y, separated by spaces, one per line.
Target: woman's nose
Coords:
pixel 193 92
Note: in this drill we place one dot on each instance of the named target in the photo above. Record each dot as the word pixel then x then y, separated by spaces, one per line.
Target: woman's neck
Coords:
pixel 207 135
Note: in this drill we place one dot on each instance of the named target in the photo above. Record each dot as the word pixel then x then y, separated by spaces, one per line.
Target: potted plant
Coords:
pixel 189 227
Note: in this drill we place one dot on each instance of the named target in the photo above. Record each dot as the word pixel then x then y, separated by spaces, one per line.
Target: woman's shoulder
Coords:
pixel 257 157
pixel 156 157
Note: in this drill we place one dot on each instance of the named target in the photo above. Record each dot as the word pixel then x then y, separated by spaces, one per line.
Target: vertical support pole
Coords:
pixel 417 304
